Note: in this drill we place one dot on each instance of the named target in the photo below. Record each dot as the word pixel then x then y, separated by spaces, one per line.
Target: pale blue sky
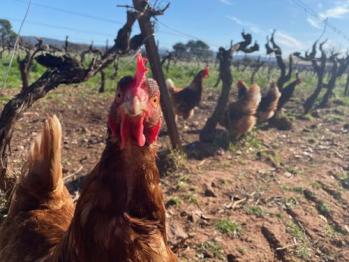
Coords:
pixel 214 21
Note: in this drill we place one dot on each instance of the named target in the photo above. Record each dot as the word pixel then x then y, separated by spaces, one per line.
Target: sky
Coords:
pixel 216 22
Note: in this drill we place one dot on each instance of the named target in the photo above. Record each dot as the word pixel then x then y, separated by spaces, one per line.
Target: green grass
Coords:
pixel 174 201
pixel 192 198
pixel 233 147
pixel 292 170
pixel 4 99
pixel 181 73
pixel 273 157
pixel 337 195
pixel 335 118
pixel 316 185
pixel 181 185
pixel 303 248
pixel 298 190
pixel 331 232
pixel 126 67
pixel 3 209
pixel 252 141
pixel 256 211
pixel 211 247
pixel 307 117
pixel 345 100
pixel 229 227
pixel 344 180
pixel 279 216
pixel 323 209
pixel 176 161
pixel 291 202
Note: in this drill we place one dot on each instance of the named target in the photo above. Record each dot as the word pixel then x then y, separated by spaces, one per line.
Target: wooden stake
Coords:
pixel 155 65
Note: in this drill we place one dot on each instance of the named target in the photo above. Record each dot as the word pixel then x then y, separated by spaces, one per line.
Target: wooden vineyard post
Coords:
pixel 145 14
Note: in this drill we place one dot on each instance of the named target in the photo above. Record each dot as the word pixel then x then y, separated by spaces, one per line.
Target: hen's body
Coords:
pixel 269 104
pixel 240 116
pixel 41 209
pixel 117 218
pixel 185 100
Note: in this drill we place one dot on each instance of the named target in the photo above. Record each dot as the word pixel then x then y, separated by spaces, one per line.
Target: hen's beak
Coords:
pixel 132 118
pixel 134 106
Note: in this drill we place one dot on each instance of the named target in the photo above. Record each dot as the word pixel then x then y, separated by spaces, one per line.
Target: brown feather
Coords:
pixel 120 215
pixel 186 99
pixel 239 118
pixel 269 104
pixel 41 208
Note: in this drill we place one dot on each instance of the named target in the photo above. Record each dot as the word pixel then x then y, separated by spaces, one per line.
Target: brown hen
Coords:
pixel 185 100
pixel 240 116
pixel 120 215
pixel 269 103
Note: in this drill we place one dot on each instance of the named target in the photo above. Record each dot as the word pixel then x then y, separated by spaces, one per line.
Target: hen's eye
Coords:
pixel 155 101
pixel 118 96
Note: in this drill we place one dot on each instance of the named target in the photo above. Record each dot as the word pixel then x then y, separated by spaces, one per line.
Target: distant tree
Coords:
pixel 180 50
pixel 192 49
pixel 199 49
pixel 7 36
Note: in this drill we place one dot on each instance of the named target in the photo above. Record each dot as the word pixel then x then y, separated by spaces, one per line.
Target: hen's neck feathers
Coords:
pixel 128 177
pixel 123 188
pixel 197 82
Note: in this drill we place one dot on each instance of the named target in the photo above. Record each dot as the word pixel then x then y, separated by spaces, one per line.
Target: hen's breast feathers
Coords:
pixel 248 104
pixel 240 116
pixel 121 206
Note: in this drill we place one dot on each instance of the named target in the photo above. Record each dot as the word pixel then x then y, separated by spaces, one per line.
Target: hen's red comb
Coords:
pixel 206 71
pixel 241 83
pixel 141 70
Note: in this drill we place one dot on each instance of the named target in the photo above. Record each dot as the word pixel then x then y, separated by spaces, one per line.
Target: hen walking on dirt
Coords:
pixel 185 100
pixel 240 116
pixel 269 103
pixel 120 215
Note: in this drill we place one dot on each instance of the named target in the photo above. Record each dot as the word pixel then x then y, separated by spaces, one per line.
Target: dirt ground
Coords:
pixel 274 196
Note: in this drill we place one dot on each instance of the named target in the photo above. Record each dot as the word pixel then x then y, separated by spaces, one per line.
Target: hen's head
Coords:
pixel 205 72
pixel 201 75
pixel 242 89
pixel 274 87
pixel 135 116
pixel 298 81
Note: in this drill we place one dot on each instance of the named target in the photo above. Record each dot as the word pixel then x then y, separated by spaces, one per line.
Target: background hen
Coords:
pixel 240 116
pixel 268 104
pixel 185 100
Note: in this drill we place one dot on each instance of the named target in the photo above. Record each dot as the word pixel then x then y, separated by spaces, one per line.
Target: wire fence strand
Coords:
pixel 7 72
